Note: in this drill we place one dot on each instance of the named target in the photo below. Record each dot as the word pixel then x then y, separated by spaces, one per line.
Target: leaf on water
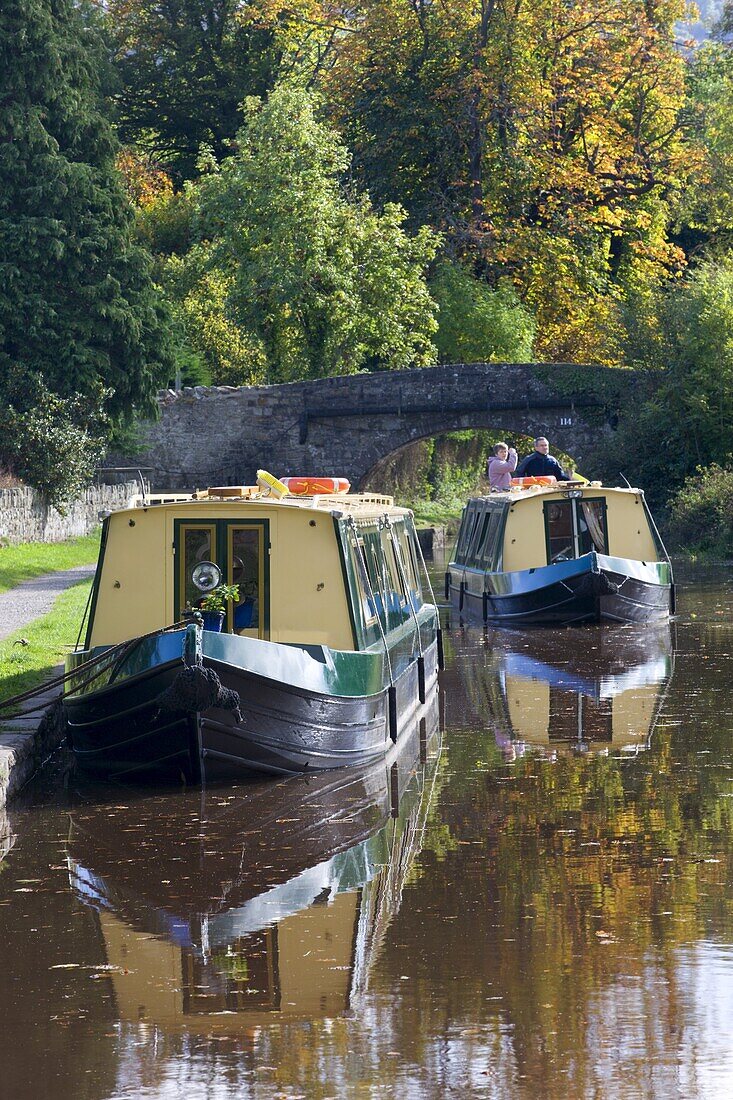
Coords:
pixel 89 966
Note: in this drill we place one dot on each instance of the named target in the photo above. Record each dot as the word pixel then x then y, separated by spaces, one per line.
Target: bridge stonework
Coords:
pixel 348 425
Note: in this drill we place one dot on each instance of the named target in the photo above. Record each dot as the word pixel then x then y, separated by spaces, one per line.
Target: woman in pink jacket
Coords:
pixel 501 466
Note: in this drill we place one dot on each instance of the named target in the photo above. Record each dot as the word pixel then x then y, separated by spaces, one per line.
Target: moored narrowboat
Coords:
pixel 560 553
pixel 329 642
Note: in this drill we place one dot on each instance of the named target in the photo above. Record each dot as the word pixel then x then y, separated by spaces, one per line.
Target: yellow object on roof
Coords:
pixel 269 481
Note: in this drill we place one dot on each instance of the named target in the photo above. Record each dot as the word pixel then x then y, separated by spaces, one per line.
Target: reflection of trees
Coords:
pixel 562 877
pixel 57 1011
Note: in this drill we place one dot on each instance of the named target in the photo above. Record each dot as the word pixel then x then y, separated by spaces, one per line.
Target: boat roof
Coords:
pixel 519 492
pixel 360 505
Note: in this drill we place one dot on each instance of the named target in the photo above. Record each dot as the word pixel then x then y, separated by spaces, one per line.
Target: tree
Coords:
pixel 477 324
pixel 547 140
pixel 702 512
pixel 705 213
pixel 321 282
pixel 185 66
pixel 681 418
pixel 53 443
pixel 76 302
pixel 199 293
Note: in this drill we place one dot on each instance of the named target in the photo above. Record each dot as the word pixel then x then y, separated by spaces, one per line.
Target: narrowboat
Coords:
pixel 329 642
pixel 560 553
pixel 592 689
pixel 270 903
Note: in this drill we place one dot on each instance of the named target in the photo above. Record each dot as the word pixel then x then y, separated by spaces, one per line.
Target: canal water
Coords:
pixel 531 899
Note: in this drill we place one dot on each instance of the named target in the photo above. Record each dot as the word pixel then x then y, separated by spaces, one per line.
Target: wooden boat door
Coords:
pixel 241 550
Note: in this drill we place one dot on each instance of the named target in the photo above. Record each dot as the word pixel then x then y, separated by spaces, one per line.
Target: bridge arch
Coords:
pixel 347 425
pixel 388 468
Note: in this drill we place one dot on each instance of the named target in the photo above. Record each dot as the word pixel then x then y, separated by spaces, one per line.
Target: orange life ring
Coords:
pixel 313 486
pixel 523 482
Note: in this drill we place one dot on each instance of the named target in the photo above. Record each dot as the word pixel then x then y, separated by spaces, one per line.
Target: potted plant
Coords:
pixel 214 604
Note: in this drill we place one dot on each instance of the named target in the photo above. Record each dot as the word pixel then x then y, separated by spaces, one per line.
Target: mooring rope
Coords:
pixel 108 655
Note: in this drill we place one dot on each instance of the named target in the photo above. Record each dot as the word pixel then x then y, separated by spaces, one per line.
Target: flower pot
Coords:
pixel 213 620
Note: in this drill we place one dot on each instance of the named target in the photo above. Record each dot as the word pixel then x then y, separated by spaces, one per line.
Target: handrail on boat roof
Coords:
pixel 235 494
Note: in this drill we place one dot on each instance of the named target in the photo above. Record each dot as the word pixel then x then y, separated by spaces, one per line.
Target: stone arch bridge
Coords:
pixel 348 425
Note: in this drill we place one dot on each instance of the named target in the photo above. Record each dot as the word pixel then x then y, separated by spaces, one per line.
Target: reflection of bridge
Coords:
pixel 348 425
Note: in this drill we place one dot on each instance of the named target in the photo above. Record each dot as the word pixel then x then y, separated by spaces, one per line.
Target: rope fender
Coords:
pixel 197 688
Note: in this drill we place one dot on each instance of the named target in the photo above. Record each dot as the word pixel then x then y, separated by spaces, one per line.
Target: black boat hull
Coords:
pixel 582 591
pixel 121 730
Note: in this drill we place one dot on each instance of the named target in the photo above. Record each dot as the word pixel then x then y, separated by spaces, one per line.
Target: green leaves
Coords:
pixel 185 66
pixel 53 443
pixel 478 324
pixel 310 278
pixel 680 415
pixel 78 312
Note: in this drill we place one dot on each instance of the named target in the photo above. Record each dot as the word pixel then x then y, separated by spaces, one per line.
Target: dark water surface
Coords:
pixel 532 901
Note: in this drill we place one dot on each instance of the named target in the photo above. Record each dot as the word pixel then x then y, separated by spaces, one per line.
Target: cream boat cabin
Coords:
pixel 330 646
pixel 560 553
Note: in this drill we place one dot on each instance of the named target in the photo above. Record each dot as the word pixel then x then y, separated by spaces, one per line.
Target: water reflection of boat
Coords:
pixel 245 904
pixel 589 689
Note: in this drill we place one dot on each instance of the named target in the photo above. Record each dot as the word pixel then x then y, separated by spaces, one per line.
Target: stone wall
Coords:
pixel 346 426
pixel 24 518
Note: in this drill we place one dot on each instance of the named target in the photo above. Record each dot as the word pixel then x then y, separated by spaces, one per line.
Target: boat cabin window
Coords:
pixel 391 577
pixel 375 577
pixel 480 542
pixel 381 567
pixel 479 537
pixel 489 550
pixel 592 526
pixel 385 579
pixel 409 560
pixel 199 544
pixel 466 532
pixel 574 528
pixel 361 579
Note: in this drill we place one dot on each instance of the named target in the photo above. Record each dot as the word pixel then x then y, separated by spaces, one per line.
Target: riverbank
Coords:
pixel 30 656
pixel 37 559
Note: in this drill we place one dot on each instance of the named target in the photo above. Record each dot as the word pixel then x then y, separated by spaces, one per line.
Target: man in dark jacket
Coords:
pixel 541 463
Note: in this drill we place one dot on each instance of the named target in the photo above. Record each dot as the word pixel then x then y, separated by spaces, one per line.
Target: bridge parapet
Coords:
pixel 349 424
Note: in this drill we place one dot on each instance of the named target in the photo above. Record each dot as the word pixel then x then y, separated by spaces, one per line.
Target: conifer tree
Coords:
pixel 77 305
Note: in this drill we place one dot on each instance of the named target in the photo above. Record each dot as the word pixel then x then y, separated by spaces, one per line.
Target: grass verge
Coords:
pixel 49 639
pixel 430 513
pixel 33 559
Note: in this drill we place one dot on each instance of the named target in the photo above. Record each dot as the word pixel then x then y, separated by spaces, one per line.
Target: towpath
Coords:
pixel 26 741
pixel 35 597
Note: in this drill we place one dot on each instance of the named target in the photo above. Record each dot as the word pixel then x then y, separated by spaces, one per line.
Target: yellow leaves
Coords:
pixel 613 219
pixel 144 181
